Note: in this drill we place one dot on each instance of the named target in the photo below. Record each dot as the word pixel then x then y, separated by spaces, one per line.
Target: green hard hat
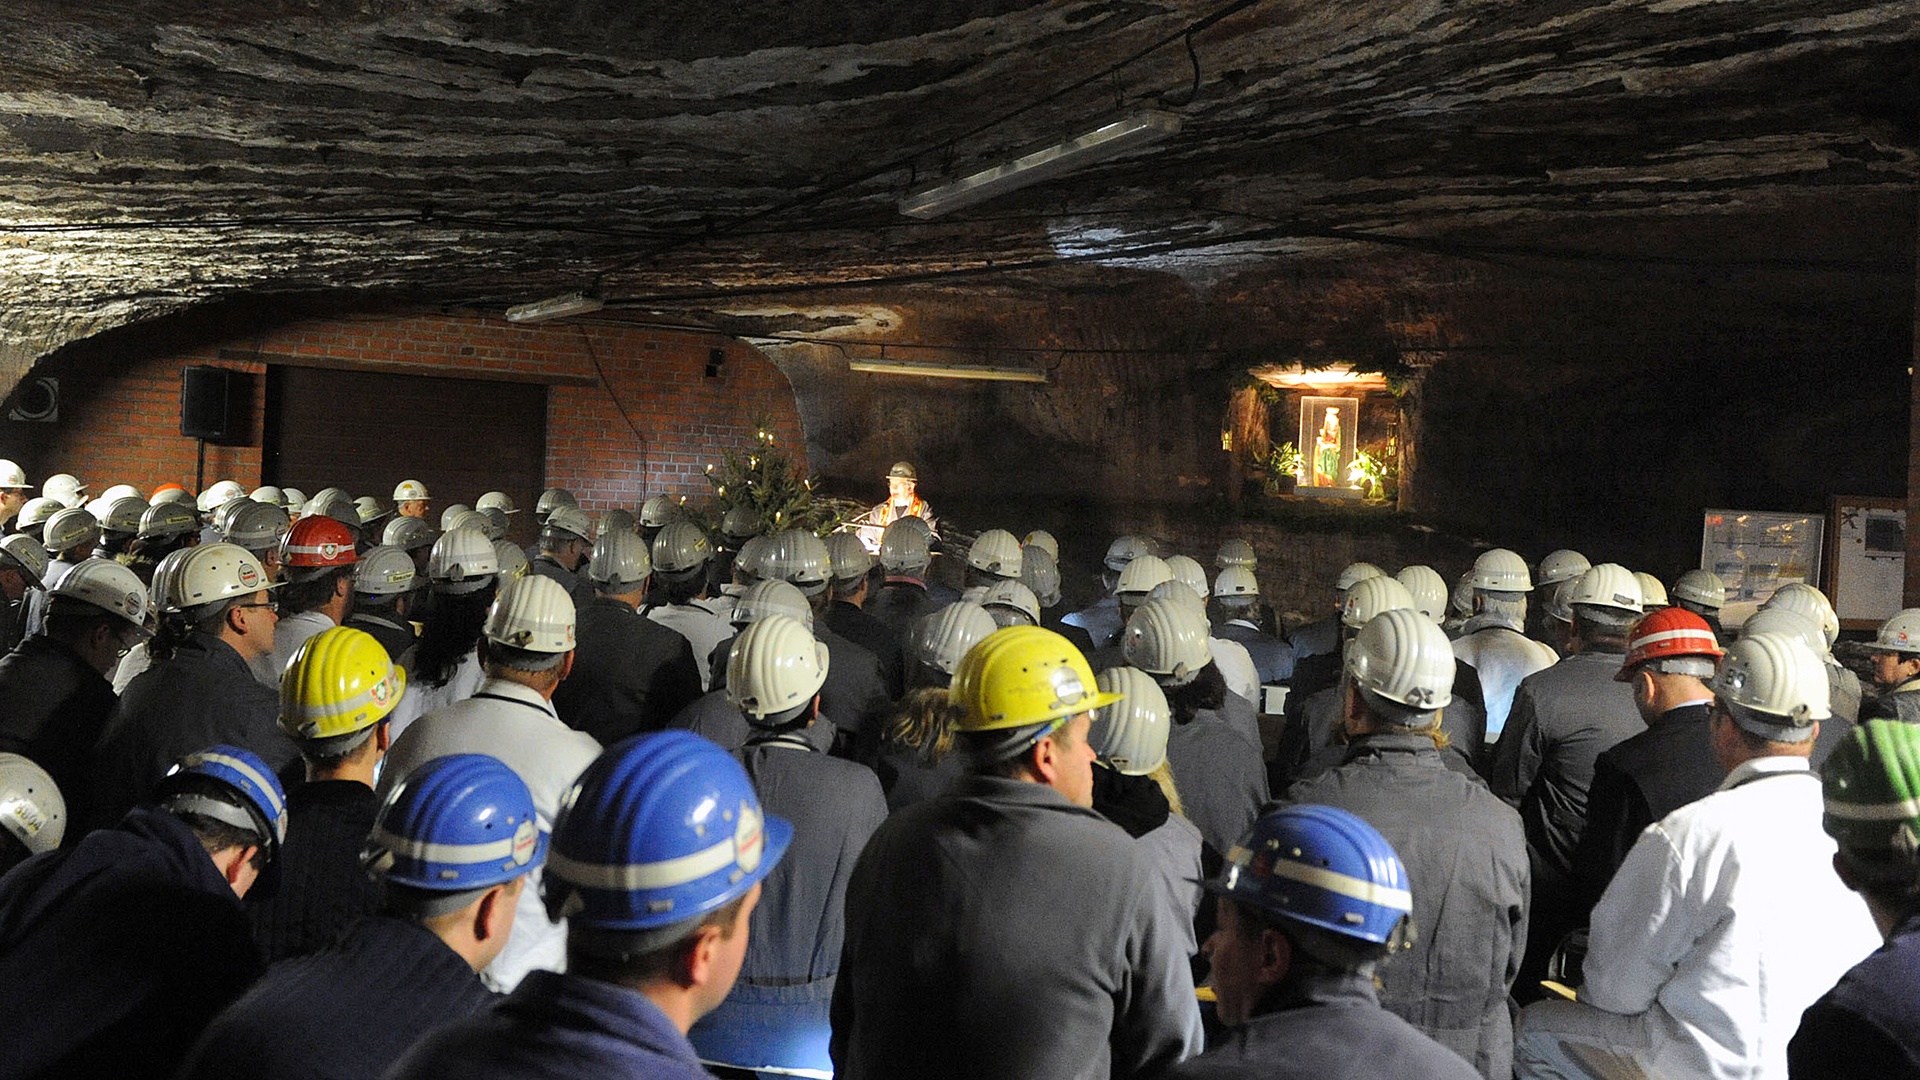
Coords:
pixel 1872 786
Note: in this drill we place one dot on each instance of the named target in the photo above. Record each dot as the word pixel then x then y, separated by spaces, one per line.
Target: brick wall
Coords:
pixel 120 397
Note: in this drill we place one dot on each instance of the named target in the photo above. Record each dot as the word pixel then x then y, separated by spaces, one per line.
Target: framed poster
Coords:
pixel 1756 552
pixel 1866 559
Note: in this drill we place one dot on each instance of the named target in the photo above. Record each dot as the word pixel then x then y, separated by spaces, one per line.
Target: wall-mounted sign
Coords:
pixel 1756 552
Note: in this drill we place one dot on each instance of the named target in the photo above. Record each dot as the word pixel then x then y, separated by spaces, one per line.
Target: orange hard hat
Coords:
pixel 1666 634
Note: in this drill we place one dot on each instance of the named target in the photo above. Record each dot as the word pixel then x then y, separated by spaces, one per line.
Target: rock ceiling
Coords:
pixel 700 158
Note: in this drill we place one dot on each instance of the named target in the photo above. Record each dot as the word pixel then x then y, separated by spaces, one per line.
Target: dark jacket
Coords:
pixel 53 707
pixel 899 602
pixel 345 1013
pixel 394 635
pixel 117 951
pixel 203 695
pixel 1328 1027
pixel 576 583
pixel 1868 1026
pixel 322 887
pixel 1638 782
pixel 557 1027
pixel 630 674
pixel 1466 860
pixel 854 624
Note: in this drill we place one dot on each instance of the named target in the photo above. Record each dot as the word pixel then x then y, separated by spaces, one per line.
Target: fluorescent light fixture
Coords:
pixel 1298 377
pixel 1104 142
pixel 557 307
pixel 949 371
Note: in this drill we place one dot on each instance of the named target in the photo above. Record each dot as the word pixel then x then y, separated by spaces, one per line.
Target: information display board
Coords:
pixel 1866 559
pixel 1756 552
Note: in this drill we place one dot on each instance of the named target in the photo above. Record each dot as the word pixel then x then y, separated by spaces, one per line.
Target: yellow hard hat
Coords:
pixel 339 683
pixel 1024 675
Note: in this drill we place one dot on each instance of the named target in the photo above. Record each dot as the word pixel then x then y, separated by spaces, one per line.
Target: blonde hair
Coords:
pixel 1162 774
pixel 924 723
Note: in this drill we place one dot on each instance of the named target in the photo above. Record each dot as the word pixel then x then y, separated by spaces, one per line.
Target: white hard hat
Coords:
pixel 551 498
pixel 383 571
pixel 1236 580
pixel 118 491
pixel 1500 570
pixel 410 491
pixel 12 475
pixel 742 522
pixel 570 520
pixel 1167 638
pixel 995 552
pixel 774 665
pixel 336 504
pixel 656 512
pixel 1702 587
pixel 1899 634
pixel 848 557
pixel 1809 601
pixel 224 513
pixel 293 500
pixel 1188 572
pixel 1142 573
pixel 496 500
pixel 1172 589
pixel 98 508
pixel 220 491
pixel 1125 549
pixel 1607 585
pixel 453 511
pixel 124 514
pixel 1355 572
pixel 512 561
pixel 615 520
pixel 1428 589
pixel 800 557
pixel 1561 565
pixel 107 585
pixel 904 548
pixel 1011 596
pixel 771 597
pixel 371 509
pixel 939 640
pixel 1653 594
pixel 31 807
pixel 210 573
pixel 36 511
pixel 69 529
pixel 462 561
pixel 680 546
pixel 1370 597
pixel 174 493
pixel 1773 686
pixel 620 559
pixel 407 533
pixel 751 560
pixel 1460 597
pixel 1402 656
pixel 1235 551
pixel 166 521
pixel 1130 735
pixel 534 613
pixel 1788 623
pixel 464 518
pixel 267 493
pixel 65 489
pixel 1043 540
pixel 254 525
pixel 25 553
pixel 1040 572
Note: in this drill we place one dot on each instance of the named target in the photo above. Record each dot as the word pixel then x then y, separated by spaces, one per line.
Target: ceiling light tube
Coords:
pixel 949 371
pixel 555 307
pixel 1104 142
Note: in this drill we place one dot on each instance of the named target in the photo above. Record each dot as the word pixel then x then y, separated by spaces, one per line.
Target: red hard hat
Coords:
pixel 1667 633
pixel 318 541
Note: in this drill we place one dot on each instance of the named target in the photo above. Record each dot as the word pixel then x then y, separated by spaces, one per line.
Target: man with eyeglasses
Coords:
pixel 217 615
pixel 55 696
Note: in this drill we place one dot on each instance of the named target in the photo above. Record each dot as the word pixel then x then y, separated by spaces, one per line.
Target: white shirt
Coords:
pixel 702 628
pixel 1724 923
pixel 291 632
pixel 517 725
pixel 1501 656
pixel 419 699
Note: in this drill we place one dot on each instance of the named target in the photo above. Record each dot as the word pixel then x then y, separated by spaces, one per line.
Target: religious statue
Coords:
pixel 1326 451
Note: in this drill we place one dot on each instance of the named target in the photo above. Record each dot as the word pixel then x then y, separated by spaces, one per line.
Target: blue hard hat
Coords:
pixel 261 803
pixel 660 829
pixel 1322 866
pixel 464 821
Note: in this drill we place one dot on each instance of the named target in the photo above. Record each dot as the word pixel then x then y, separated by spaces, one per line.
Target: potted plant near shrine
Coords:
pixel 1283 469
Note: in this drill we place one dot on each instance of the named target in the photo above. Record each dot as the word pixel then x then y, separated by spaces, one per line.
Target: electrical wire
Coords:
pixel 586 339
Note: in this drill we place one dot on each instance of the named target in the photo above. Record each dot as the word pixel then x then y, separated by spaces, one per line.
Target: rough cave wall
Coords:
pixel 120 396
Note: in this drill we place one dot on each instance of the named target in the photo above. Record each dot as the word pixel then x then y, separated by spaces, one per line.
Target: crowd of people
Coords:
pixel 327 786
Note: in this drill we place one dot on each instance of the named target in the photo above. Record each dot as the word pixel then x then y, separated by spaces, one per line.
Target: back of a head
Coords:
pixel 799 557
pixel 620 562
pixel 1605 599
pixel 904 548
pixel 1653 594
pixel 1784 621
pixel 1498 570
pixel 1016 687
pixel 681 550
pixel 1872 794
pixel 459 825
pixel 407 533
pixel 1561 565
pixel 1403 665
pixel 1044 540
pixel 565 525
pixel 384 572
pixel 1011 604
pixel 772 597
pixel 336 688
pixel 1702 588
pixel 1167 639
pixel 848 558
pixel 1428 589
pixel 1354 573
pixel 463 561
pixel 995 553
pixel 1801 598
pixel 1370 597
pixel 531 625
pixel 1236 552
pixel 1671 641
pixel 775 667
pixel 939 640
pixel 1773 686
pixel 1188 572
pixel 1141 574
pixel 230 786
pixel 1324 869
pixel 106 587
pixel 658 511
pixel 1040 572
pixel 1130 735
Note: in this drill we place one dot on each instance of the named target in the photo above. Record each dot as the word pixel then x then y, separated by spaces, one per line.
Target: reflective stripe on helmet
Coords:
pixel 743 849
pixel 1319 878
pixel 458 854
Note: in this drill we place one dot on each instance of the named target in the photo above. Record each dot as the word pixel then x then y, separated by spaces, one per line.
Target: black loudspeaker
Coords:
pixel 207 400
